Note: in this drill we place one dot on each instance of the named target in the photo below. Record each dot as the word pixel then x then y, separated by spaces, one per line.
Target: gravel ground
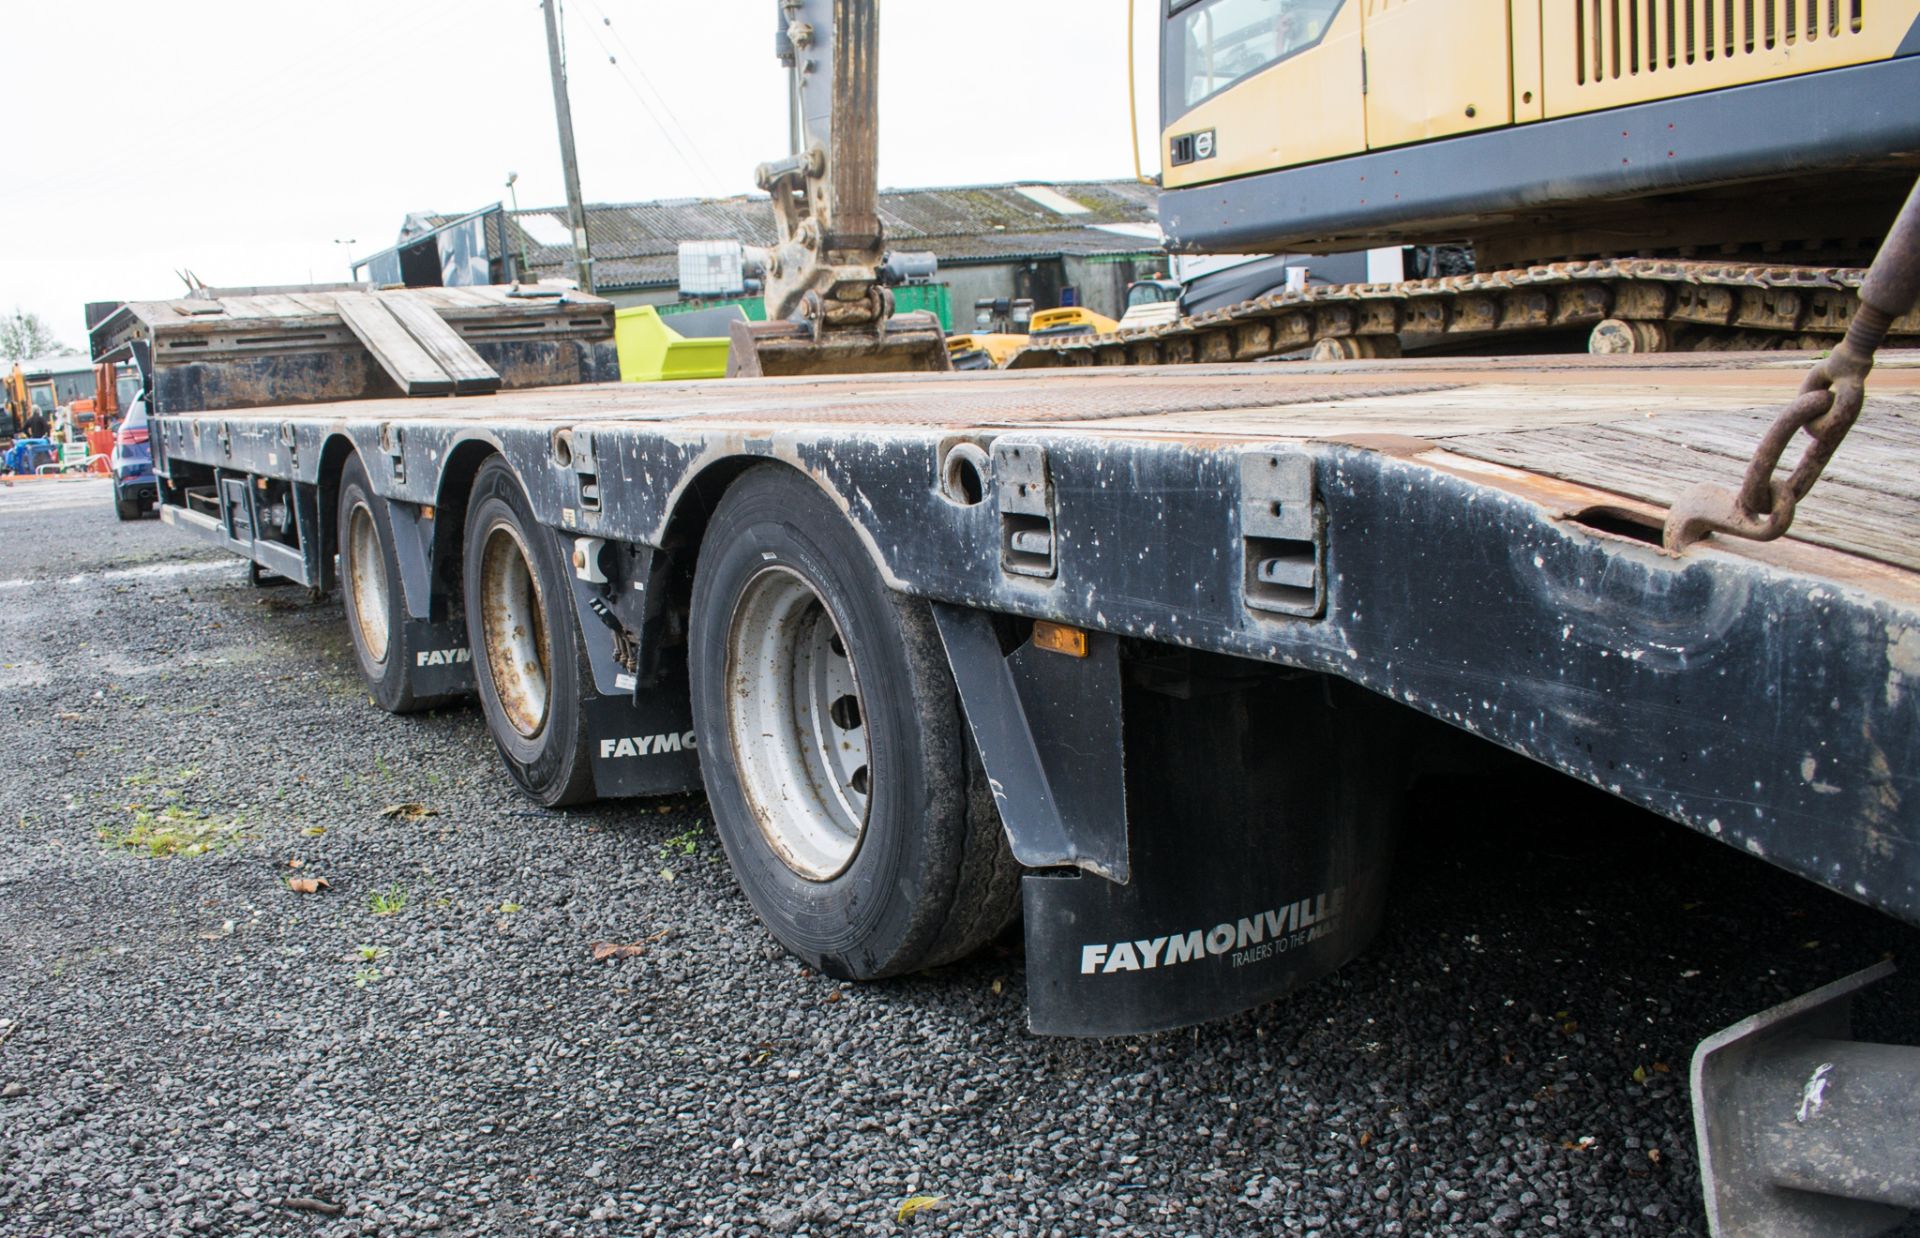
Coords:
pixel 429 1043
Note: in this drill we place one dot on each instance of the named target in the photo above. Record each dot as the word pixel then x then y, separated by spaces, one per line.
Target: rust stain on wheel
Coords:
pixel 514 630
pixel 367 584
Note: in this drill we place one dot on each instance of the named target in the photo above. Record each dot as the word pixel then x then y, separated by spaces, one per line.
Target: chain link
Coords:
pixel 1825 409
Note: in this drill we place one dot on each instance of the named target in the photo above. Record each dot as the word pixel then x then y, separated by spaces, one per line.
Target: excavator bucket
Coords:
pixel 904 343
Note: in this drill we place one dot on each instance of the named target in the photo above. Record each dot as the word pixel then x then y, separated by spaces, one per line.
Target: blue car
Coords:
pixel 136 491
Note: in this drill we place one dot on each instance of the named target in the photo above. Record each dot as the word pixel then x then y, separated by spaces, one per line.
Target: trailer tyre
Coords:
pixel 528 661
pixel 370 594
pixel 836 761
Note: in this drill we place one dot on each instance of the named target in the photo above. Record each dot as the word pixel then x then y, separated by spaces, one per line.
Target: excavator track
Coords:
pixel 1626 305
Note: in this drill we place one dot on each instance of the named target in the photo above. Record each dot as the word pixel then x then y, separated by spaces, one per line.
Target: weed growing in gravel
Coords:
pixel 155 778
pixel 388 901
pixel 686 842
pixel 371 954
pixel 174 830
pixel 362 977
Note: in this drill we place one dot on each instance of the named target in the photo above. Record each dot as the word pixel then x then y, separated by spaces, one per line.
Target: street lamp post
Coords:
pixel 347 243
pixel 514 195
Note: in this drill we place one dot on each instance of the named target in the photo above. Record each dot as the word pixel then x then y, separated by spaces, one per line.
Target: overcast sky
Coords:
pixel 241 139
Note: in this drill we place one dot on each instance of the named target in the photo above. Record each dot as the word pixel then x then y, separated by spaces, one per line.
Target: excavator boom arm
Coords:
pixel 824 192
pixel 827 310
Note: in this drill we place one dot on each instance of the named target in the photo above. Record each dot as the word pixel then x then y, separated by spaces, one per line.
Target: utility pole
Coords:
pixel 563 112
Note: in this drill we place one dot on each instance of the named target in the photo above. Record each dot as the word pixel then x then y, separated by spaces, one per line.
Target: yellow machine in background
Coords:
pixel 14 402
pixel 1618 175
pixel 1069 320
pixel 1538 128
pixel 984 350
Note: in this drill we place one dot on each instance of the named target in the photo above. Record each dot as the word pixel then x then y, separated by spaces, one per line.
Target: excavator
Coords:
pixel 1624 175
pixel 14 403
pixel 1620 176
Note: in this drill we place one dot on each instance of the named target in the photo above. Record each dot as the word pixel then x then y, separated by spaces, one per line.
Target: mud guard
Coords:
pixel 442 660
pixel 640 734
pixel 1231 823
pixel 643 745
pixel 1261 830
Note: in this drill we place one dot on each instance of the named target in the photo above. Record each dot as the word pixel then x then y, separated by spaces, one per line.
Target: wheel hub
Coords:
pixel 367 582
pixel 513 623
pixel 798 724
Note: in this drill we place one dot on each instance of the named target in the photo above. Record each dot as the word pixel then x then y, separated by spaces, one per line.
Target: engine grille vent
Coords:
pixel 1624 38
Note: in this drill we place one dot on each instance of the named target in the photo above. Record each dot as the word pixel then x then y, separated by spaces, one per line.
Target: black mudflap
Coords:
pixel 442 662
pixel 1261 821
pixel 643 745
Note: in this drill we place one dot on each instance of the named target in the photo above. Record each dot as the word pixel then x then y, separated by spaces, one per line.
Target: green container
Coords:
pixel 925 297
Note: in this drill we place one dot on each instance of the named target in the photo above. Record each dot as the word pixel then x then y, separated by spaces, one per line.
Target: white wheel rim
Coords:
pixel 514 630
pixel 367 582
pixel 798 725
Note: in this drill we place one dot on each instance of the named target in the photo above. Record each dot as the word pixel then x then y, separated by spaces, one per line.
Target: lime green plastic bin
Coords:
pixel 651 351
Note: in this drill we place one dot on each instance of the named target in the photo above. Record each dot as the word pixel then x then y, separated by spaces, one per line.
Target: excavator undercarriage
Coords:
pixel 1622 305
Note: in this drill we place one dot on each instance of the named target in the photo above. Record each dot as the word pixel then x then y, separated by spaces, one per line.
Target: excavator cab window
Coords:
pixel 1215 43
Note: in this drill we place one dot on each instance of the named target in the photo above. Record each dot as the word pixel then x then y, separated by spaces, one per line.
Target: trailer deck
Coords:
pixel 1642 429
pixel 1478 540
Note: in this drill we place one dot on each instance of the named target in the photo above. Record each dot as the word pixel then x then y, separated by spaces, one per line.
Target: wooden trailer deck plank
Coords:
pixel 470 374
pixel 412 368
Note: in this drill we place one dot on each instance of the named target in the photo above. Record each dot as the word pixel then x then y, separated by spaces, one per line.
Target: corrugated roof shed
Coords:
pixel 636 244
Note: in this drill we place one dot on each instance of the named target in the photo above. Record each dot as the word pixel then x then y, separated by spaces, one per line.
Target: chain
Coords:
pixel 1825 409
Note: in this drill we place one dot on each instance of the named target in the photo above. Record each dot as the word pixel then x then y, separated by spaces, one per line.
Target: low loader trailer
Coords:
pixel 1143 655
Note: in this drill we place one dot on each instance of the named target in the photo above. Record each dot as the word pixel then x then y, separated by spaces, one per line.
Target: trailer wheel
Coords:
pixel 840 774
pixel 370 593
pixel 528 661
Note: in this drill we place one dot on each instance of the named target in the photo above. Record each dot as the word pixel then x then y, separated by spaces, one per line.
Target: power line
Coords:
pixel 666 106
pixel 651 114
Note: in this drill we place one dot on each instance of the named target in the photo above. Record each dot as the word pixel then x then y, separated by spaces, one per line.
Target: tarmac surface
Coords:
pixel 427 1042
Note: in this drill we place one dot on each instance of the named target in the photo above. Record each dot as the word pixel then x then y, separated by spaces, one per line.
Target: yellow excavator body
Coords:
pixel 1539 130
pixel 1280 83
